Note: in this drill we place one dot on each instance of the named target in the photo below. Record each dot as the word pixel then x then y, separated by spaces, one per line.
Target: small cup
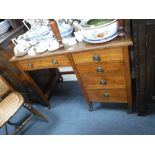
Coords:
pixel 53 45
pixel 31 51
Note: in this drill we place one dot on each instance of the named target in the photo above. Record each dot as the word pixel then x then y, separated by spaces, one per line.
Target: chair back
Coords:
pixel 4 87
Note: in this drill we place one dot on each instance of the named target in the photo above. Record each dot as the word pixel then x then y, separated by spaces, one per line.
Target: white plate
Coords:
pixel 101 40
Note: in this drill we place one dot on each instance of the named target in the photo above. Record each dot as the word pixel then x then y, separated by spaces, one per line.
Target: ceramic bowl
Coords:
pixel 99 31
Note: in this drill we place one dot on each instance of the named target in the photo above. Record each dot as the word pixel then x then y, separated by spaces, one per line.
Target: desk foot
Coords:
pixel 90 107
pixel 130 112
pixel 49 106
pixel 60 79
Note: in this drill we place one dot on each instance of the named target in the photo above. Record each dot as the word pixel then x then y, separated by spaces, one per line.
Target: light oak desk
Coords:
pixel 103 70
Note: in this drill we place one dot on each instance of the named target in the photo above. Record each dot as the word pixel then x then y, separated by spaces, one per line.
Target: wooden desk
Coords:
pixel 103 70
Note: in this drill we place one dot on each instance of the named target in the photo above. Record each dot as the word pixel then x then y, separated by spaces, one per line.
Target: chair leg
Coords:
pixel 60 78
pixel 34 111
pixel 11 123
pixel 22 125
pixel 6 129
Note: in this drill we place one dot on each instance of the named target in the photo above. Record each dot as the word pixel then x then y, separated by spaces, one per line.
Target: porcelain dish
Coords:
pixel 101 40
pixel 100 31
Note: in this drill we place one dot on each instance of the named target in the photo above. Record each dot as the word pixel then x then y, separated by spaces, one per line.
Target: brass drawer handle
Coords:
pixel 54 61
pixel 96 58
pixel 30 65
pixel 106 95
pixel 103 82
pixel 99 70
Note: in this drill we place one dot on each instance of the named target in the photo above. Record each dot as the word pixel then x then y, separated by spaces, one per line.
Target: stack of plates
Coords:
pixel 39 34
pixel 4 26
pixel 65 30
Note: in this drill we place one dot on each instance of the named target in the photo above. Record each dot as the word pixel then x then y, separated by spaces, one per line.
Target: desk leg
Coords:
pixel 90 104
pixel 36 88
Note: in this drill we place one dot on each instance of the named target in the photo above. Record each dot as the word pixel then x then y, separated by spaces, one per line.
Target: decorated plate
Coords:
pixel 101 40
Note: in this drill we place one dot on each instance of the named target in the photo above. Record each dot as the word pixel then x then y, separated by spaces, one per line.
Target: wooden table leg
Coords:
pixel 36 88
pixel 90 104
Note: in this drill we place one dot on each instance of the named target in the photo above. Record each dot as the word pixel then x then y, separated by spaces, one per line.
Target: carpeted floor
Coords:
pixel 69 115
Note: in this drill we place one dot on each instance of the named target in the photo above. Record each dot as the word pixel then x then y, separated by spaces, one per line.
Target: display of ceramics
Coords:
pixel 95 29
pixel 40 38
pixel 101 40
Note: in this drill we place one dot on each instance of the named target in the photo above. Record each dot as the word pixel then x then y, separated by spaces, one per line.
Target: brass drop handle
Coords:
pixel 106 95
pixel 96 58
pixel 99 70
pixel 54 61
pixel 30 65
pixel 103 82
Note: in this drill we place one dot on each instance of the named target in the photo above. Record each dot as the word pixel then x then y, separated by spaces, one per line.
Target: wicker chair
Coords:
pixel 10 103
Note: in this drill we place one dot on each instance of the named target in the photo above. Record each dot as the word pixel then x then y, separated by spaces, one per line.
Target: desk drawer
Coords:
pixel 100 55
pixel 103 82
pixel 119 95
pixel 46 62
pixel 101 69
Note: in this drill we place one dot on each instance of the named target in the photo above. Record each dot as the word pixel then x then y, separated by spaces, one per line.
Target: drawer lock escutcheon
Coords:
pixel 54 61
pixel 96 58
pixel 103 82
pixel 106 95
pixel 30 65
pixel 99 70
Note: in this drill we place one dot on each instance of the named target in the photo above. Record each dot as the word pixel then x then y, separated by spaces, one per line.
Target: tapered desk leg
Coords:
pixel 36 88
pixel 90 106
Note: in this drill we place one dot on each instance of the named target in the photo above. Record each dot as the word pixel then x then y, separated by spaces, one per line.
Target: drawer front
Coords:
pixel 103 82
pixel 46 62
pixel 119 95
pixel 101 55
pixel 101 69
